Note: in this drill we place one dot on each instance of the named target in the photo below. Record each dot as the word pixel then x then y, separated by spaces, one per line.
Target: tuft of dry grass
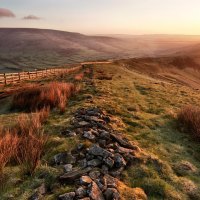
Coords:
pixel 79 77
pixel 30 150
pixel 8 145
pixel 51 95
pixel 25 142
pixel 32 140
pixel 189 118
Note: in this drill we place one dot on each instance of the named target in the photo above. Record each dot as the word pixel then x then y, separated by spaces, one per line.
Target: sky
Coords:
pixel 104 16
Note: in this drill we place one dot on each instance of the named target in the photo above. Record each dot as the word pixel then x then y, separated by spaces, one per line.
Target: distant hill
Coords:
pixel 27 49
pixel 179 68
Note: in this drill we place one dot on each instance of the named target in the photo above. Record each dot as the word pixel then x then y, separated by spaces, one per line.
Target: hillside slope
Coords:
pixel 181 68
pixel 165 163
pixel 27 49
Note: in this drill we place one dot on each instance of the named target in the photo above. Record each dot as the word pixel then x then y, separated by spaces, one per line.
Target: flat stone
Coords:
pixel 80 146
pixel 95 193
pixel 67 196
pixel 85 180
pixel 68 133
pixel 69 177
pixel 111 194
pixel 98 151
pixel 94 162
pixel 86 198
pixel 124 150
pixel 60 158
pixel 119 161
pixel 42 189
pixel 102 143
pixel 104 135
pixel 122 142
pixel 104 169
pixel 94 174
pixel 116 172
pixel 110 181
pixel 88 135
pixel 82 163
pixel 68 167
pixel 81 192
pixel 109 161
pixel 83 124
pixel 35 196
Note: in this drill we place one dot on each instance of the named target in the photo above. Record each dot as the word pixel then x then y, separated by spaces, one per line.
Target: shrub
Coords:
pixel 51 95
pixel 8 145
pixel 189 118
pixel 31 141
pixel 29 151
pixel 25 142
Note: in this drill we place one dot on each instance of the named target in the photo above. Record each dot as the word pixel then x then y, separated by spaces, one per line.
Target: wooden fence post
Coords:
pixel 46 71
pixel 29 76
pixel 12 78
pixel 36 73
pixel 5 81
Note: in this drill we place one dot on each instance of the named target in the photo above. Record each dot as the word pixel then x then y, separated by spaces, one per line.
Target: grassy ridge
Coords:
pixel 144 109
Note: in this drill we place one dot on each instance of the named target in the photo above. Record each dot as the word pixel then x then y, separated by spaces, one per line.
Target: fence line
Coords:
pixel 7 78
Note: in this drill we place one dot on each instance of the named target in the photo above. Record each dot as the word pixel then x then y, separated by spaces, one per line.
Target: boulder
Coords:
pixel 95 193
pixel 67 196
pixel 69 177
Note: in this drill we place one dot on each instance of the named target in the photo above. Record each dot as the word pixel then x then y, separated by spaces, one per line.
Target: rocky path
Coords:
pixel 95 170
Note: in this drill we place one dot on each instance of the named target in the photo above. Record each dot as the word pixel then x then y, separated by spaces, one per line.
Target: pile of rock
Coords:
pixel 95 170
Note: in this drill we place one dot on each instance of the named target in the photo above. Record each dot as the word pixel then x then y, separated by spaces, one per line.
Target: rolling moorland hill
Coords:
pixel 182 68
pixel 28 49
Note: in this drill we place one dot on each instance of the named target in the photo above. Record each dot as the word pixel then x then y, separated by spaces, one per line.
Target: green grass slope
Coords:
pixel 144 109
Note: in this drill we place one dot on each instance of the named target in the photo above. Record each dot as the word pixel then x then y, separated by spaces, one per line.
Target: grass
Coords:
pixel 8 146
pixel 54 94
pixel 189 118
pixel 147 110
pixel 30 171
pixel 144 110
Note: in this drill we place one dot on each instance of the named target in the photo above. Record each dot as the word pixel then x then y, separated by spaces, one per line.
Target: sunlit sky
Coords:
pixel 104 16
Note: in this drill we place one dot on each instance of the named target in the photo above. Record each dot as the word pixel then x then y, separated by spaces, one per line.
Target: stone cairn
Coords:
pixel 95 170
